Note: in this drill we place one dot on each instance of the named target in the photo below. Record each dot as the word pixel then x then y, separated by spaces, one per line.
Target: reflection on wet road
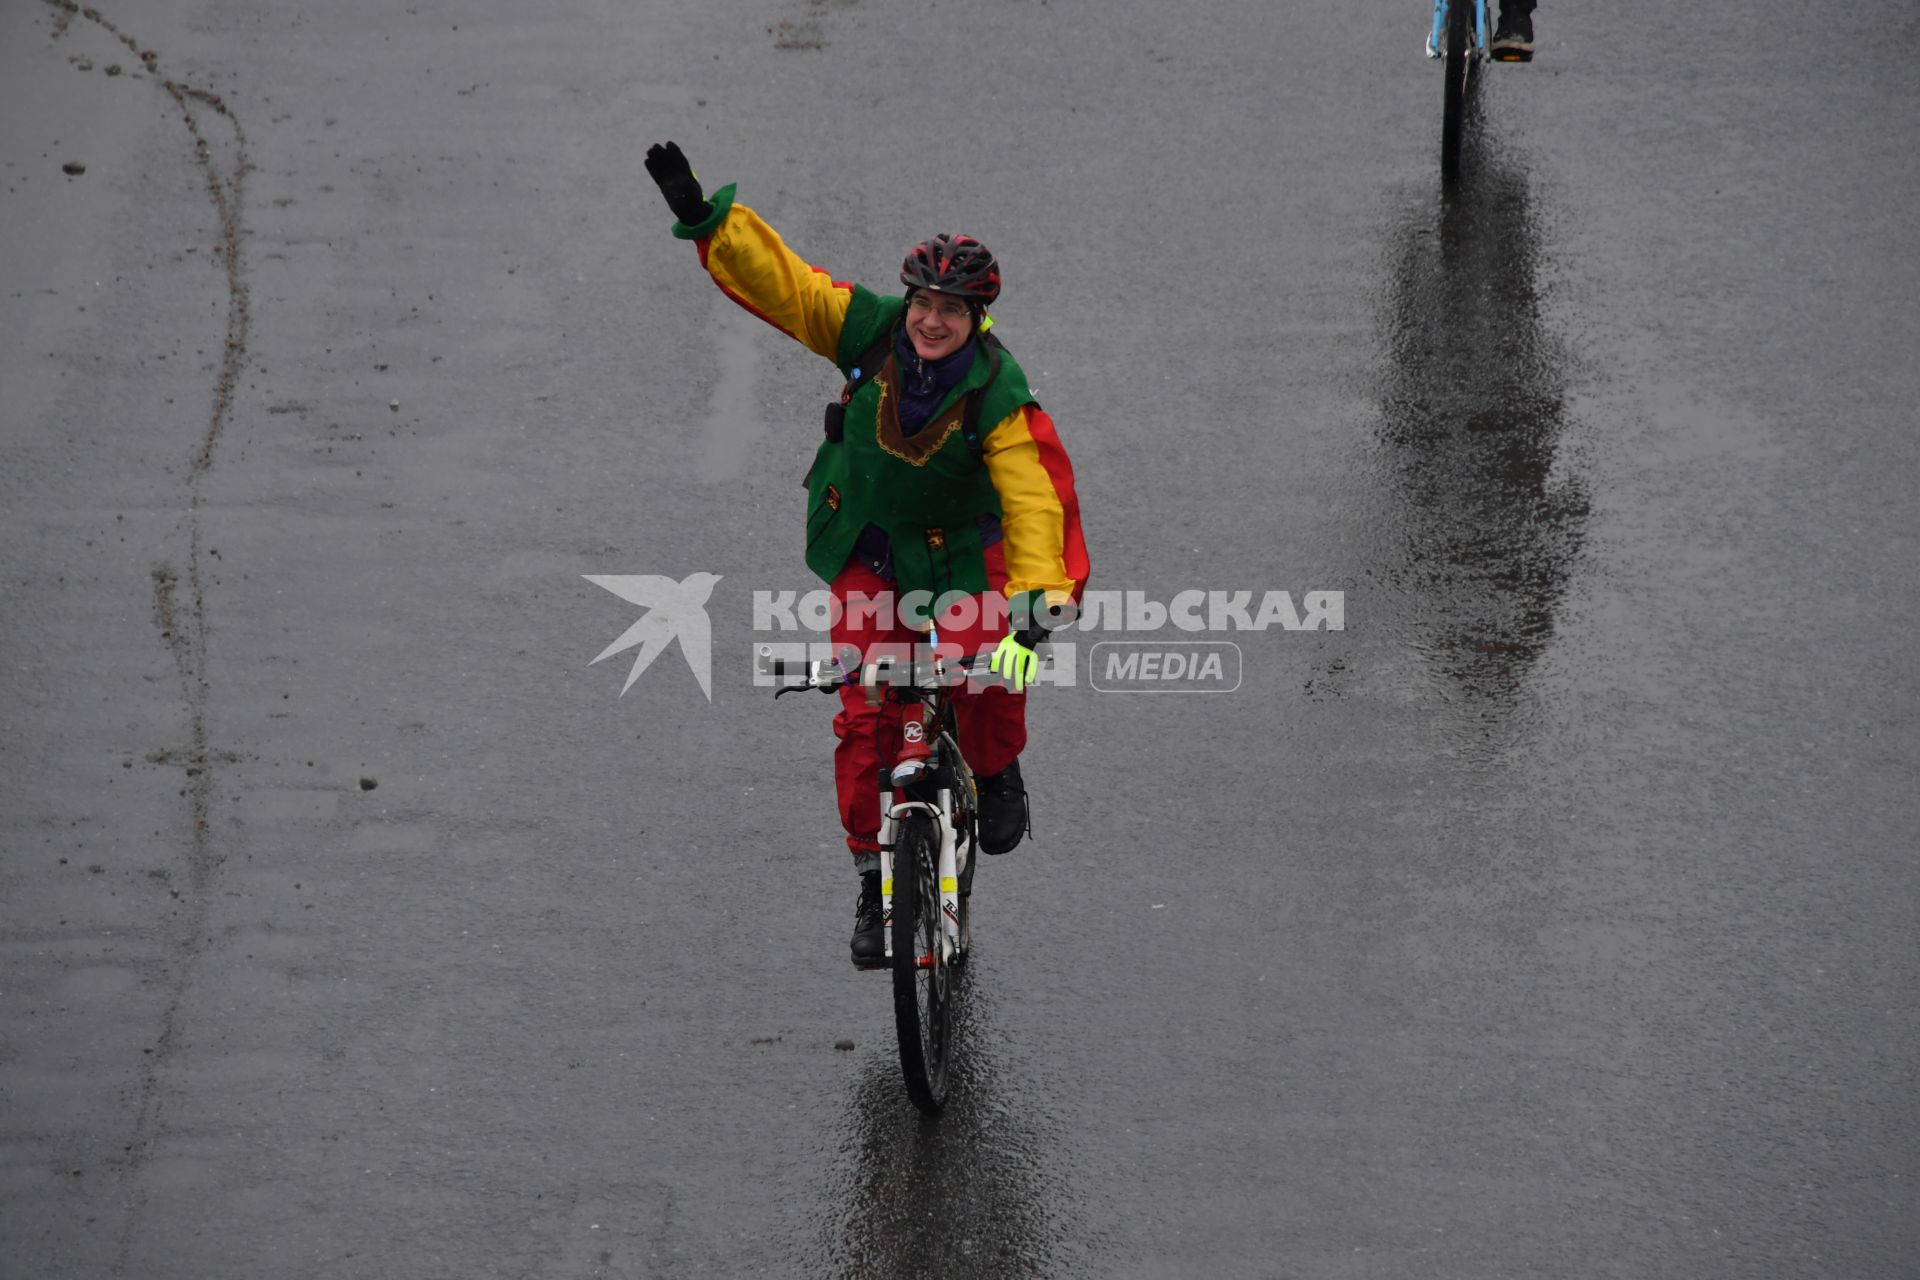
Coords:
pixel 1473 408
pixel 972 1192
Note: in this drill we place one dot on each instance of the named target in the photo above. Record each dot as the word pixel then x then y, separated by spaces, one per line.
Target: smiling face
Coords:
pixel 938 323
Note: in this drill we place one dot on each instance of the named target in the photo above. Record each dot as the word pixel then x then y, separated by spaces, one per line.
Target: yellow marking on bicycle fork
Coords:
pixel 886 887
pixel 949 885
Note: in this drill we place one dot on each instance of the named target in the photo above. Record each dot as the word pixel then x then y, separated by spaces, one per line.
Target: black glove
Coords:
pixel 674 176
pixel 1039 629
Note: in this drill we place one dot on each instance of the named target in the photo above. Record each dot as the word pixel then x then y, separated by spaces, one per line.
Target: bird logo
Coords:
pixel 674 609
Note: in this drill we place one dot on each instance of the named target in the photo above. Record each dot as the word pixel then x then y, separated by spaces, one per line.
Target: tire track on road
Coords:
pixel 181 617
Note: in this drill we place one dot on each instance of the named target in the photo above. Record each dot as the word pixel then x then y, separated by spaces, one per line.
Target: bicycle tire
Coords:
pixel 922 996
pixel 1457 68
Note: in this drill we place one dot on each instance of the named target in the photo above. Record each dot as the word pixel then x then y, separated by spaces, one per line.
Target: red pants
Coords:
pixel 992 721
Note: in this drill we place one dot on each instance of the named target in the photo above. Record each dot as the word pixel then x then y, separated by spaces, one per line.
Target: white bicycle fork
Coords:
pixel 949 870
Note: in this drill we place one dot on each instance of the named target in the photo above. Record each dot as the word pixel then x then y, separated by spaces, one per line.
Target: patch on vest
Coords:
pixel 833 498
pixel 925 442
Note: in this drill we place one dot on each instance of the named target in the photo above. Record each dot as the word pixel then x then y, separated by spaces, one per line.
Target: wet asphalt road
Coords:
pixel 1553 919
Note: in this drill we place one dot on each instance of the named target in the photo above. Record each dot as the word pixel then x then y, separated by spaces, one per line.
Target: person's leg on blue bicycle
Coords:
pixel 1513 34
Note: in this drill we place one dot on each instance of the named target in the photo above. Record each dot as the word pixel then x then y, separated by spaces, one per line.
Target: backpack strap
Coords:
pixel 869 364
pixel 970 416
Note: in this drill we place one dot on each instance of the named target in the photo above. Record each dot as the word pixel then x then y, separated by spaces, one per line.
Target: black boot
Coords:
pixel 1003 810
pixel 1513 34
pixel 869 941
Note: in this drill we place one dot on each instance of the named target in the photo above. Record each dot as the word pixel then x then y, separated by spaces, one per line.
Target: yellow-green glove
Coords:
pixel 1016 662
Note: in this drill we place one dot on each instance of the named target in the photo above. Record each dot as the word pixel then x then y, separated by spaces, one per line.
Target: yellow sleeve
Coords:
pixel 754 267
pixel 1039 513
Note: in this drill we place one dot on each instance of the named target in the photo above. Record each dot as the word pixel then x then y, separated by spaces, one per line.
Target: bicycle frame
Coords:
pixel 945 758
pixel 941 811
pixel 1437 34
pixel 939 791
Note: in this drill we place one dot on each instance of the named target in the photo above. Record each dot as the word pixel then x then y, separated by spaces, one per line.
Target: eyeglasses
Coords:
pixel 947 308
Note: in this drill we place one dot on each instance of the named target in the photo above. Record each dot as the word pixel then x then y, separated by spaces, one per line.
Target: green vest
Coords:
pixel 927 492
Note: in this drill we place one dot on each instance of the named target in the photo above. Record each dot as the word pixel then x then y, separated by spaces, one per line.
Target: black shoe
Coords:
pixel 1003 810
pixel 869 930
pixel 1513 39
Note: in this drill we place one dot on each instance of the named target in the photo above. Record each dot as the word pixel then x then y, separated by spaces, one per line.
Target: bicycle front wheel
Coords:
pixel 1458 68
pixel 923 982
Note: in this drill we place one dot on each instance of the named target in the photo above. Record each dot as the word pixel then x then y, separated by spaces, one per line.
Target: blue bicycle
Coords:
pixel 1459 41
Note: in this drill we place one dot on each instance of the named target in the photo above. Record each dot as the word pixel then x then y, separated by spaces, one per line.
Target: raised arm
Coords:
pixel 749 261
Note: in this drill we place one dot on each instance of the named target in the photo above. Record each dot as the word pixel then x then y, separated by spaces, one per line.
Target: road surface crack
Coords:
pixel 179 603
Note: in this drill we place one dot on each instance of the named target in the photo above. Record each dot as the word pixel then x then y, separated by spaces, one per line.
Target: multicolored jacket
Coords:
pixel 926 490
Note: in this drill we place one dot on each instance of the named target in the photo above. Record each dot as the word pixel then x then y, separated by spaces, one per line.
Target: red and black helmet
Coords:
pixel 954 264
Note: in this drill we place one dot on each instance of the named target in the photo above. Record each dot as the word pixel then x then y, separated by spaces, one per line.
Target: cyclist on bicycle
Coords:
pixel 947 479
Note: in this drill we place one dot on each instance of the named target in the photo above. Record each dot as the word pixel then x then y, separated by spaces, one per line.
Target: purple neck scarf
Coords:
pixel 925 383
